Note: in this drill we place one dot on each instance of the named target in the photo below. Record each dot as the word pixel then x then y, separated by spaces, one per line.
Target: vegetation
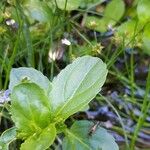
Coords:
pixel 74 74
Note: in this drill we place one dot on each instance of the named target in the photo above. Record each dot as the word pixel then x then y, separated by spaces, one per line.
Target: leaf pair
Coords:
pixel 37 104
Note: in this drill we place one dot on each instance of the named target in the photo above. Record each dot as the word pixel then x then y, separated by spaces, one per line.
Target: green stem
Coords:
pixel 12 58
pixel 145 107
pixel 82 36
pixel 52 70
pixel 27 37
pixel 120 119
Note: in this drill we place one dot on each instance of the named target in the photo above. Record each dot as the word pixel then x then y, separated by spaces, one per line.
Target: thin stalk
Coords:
pixel 3 64
pixel 132 64
pixel 122 78
pixel 27 37
pixel 1 82
pixel 52 70
pixel 83 37
pixel 145 107
pixel 31 60
pixel 56 3
pixel 114 56
pixel 12 58
pixel 95 37
pixel 52 63
pixel 108 50
pixel 66 1
pixel 126 63
pixel 132 75
pixel 120 119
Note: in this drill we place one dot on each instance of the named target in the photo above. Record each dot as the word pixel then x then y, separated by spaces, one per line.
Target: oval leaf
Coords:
pixel 89 3
pixel 7 137
pixel 79 138
pixel 146 39
pixel 38 10
pixel 95 23
pixel 77 85
pixel 40 141
pixel 70 5
pixel 112 14
pixel 143 10
pixel 30 108
pixel 4 146
pixel 127 31
pixel 114 11
pixel 18 75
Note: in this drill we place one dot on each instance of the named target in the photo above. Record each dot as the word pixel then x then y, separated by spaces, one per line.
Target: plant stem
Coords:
pixel 121 122
pixel 145 107
pixel 12 58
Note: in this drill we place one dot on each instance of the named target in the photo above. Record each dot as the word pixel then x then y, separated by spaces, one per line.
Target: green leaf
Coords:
pixel 143 10
pixel 4 146
pixel 114 11
pixel 89 3
pixel 7 137
pixel 24 74
pixel 38 10
pixel 146 39
pixel 96 23
pixel 127 32
pixel 78 138
pixel 76 85
pixel 70 5
pixel 30 109
pixel 40 141
pixel 127 28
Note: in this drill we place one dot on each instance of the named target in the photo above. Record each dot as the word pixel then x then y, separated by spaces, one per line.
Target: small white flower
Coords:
pixel 66 42
pixel 110 27
pixel 108 124
pixel 10 22
pixel 52 56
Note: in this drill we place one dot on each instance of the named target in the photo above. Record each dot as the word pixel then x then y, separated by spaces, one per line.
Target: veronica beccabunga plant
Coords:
pixel 40 107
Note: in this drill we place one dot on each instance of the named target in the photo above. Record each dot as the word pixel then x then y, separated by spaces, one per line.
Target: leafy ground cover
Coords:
pixel 48 35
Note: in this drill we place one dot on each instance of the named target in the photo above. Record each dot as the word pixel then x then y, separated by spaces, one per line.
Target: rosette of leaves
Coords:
pixel 40 107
